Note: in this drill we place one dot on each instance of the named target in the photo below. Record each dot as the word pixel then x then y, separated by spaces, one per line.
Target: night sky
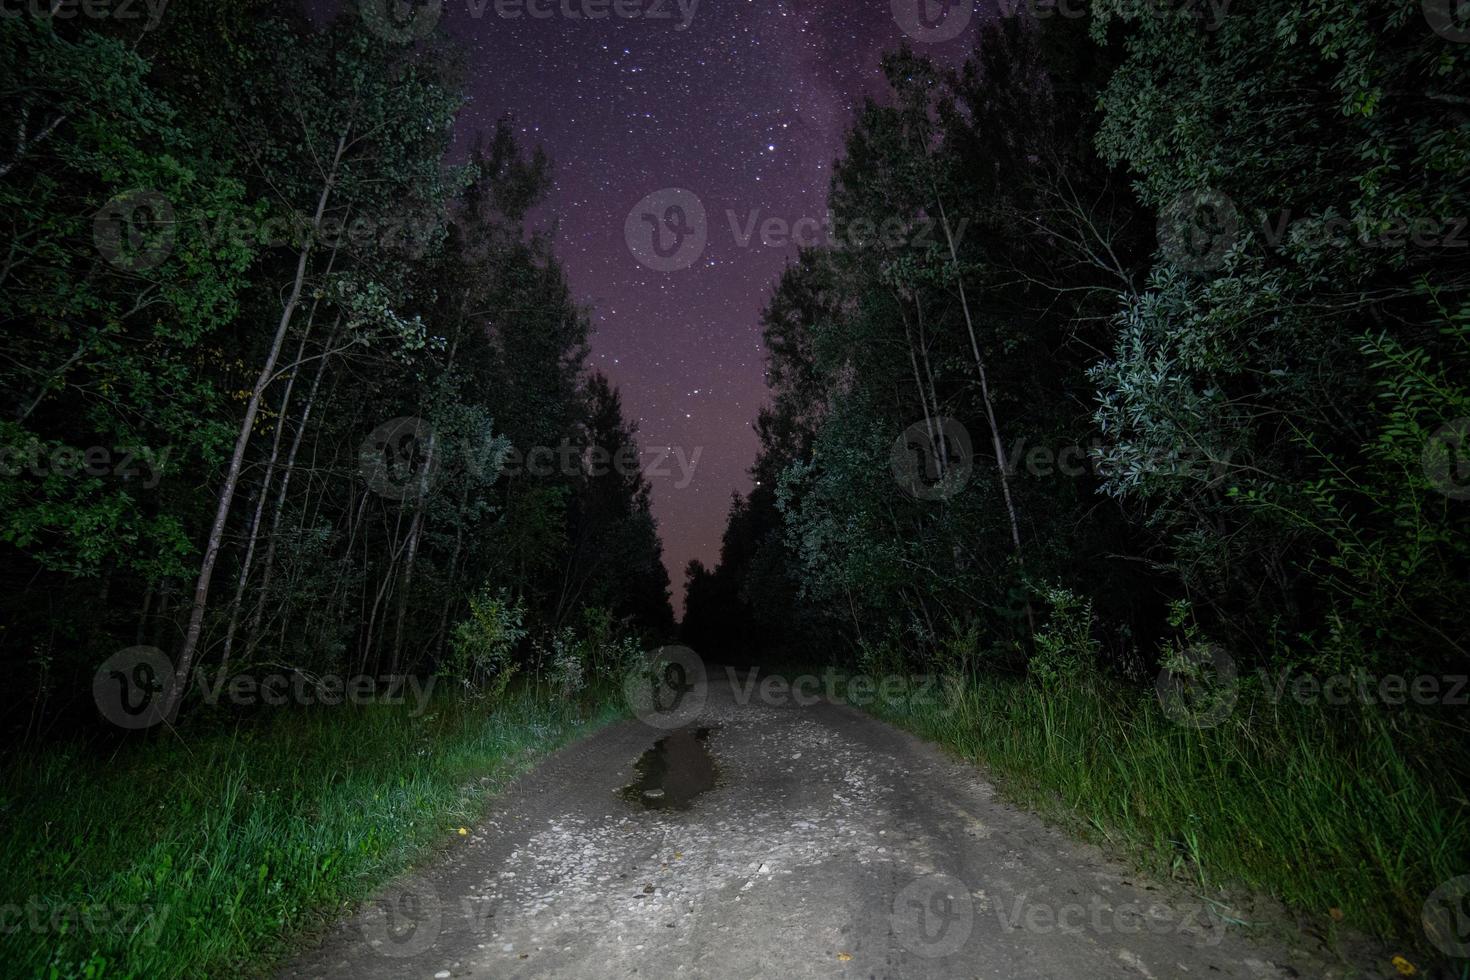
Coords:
pixel 745 107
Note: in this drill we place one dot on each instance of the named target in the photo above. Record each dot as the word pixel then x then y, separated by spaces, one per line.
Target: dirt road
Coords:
pixel 830 845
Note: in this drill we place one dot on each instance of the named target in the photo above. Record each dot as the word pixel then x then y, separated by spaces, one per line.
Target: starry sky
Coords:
pixel 745 107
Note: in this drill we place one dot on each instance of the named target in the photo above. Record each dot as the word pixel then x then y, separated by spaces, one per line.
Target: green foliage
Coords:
pixel 1226 255
pixel 1065 651
pixel 1238 413
pixel 1323 811
pixel 1392 535
pixel 275 828
pixel 241 189
pixel 107 304
pixel 484 644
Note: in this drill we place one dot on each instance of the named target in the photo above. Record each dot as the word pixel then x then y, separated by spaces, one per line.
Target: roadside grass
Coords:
pixel 1349 815
pixel 205 855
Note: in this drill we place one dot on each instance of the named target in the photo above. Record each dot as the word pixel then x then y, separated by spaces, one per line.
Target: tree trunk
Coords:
pixel 237 458
pixel 273 535
pixel 254 534
pixel 995 438
pixel 415 530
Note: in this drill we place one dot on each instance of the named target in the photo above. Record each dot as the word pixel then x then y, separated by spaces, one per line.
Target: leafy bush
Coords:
pixel 484 644
pixel 1064 647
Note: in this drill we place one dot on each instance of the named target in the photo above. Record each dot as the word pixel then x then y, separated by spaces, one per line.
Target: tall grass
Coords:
pixel 187 857
pixel 1350 814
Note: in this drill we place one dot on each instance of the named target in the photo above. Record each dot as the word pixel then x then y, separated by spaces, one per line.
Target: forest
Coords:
pixel 260 410
pixel 1149 423
pixel 1131 403
pixel 286 393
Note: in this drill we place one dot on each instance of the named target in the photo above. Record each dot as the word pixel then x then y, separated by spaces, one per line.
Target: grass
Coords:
pixel 187 857
pixel 1328 810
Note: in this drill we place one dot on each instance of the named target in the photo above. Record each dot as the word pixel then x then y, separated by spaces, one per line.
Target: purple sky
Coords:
pixel 746 108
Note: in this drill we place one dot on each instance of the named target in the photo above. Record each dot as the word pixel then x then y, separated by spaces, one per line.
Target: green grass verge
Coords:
pixel 1325 809
pixel 207 855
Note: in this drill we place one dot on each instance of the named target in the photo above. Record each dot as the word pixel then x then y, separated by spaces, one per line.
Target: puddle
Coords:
pixel 671 774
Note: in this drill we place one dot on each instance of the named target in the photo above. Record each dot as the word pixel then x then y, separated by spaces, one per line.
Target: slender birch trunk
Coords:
pixel 237 459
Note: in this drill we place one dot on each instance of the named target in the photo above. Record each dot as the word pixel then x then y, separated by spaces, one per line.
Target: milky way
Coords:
pixel 742 103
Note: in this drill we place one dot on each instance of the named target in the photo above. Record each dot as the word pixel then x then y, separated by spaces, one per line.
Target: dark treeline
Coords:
pixel 282 386
pixel 1193 298
pixel 1133 394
